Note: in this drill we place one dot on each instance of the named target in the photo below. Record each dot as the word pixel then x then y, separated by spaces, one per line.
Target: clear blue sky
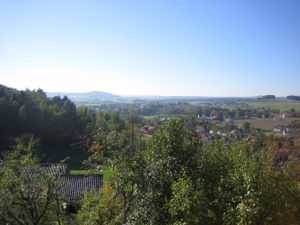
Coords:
pixel 200 48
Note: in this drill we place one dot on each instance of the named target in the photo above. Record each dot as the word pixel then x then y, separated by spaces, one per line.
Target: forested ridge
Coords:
pixel 54 121
pixel 293 97
pixel 61 128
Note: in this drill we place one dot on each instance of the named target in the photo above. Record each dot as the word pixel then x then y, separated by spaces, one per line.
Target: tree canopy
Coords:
pixel 180 180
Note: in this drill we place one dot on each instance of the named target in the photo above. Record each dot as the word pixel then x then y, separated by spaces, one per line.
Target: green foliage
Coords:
pixel 187 204
pixel 109 121
pixel 174 178
pixel 102 208
pixel 185 182
pixel 119 148
pixel 25 150
pixel 177 179
pixel 55 121
pixel 173 149
pixel 27 196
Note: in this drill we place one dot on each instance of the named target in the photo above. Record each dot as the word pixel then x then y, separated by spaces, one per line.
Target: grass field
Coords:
pixel 151 117
pixel 283 105
pixel 107 173
pixel 267 123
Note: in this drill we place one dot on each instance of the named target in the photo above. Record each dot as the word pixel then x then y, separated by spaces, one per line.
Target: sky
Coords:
pixel 157 47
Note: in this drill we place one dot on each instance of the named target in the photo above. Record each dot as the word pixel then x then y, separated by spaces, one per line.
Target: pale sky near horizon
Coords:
pixel 159 47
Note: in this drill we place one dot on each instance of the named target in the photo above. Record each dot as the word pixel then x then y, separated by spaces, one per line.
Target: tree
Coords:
pixel 185 182
pixel 102 208
pixel 27 195
pixel 293 97
pixel 54 121
pixel 267 97
pixel 120 150
pixel 188 203
pixel 177 179
pixel 172 149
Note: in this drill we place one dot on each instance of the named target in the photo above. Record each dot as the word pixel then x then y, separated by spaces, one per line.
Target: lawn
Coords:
pixel 151 117
pixel 107 173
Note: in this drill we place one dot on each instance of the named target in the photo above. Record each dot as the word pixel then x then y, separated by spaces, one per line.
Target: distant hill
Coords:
pixel 105 96
pixel 267 97
pixel 93 95
pixel 186 98
pixel 293 97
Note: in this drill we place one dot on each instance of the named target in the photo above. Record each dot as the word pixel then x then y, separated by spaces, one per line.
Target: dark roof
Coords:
pixel 37 170
pixel 74 186
pixel 53 169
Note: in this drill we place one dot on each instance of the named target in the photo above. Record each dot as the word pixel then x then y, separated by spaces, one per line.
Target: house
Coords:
pixel 285 131
pixel 228 120
pixel 147 129
pixel 288 133
pixel 283 115
pixel 278 129
pixel 53 169
pixel 75 185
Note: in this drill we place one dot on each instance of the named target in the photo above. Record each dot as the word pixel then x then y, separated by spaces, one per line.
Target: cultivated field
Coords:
pixel 283 105
pixel 267 123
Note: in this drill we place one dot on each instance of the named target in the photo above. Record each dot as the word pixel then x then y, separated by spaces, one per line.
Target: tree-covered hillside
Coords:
pixel 61 127
pixel 293 97
pixel 55 121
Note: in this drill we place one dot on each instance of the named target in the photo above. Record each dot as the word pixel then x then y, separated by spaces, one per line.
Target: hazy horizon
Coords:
pixel 149 95
pixel 157 48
